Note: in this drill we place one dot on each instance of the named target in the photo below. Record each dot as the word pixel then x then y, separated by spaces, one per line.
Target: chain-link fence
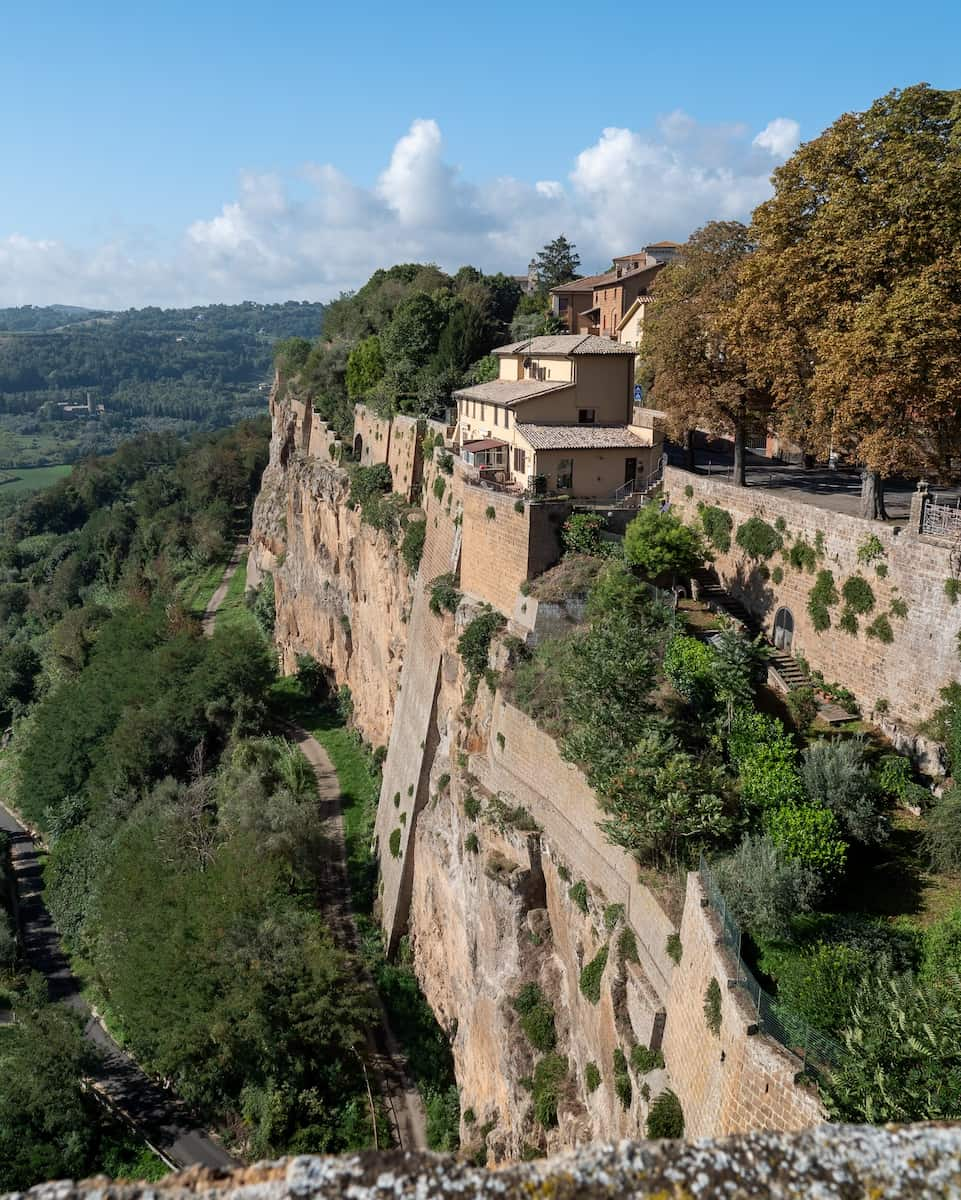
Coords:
pixel 791 1030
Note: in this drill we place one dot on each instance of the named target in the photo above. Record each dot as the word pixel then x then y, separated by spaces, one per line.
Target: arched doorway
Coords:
pixel 783 629
pixel 358 447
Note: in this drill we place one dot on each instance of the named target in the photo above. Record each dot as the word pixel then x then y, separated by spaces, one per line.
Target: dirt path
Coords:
pixel 403 1101
pixel 209 619
pixel 156 1113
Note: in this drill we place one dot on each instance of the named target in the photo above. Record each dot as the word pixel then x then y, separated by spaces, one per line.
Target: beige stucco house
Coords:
pixel 559 418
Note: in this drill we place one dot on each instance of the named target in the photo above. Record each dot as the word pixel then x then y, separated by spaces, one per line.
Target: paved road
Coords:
pixel 385 1056
pixel 156 1112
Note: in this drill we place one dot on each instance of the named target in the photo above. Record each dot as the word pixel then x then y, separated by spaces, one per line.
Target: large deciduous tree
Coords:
pixel 851 307
pixel 699 378
pixel 558 262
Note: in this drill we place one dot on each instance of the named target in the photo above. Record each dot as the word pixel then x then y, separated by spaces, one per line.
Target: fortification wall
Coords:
pixel 907 672
pixel 374 434
pixel 736 1080
pixel 405 457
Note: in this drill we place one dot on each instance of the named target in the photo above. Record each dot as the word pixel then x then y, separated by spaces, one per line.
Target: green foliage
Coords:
pixel 803 705
pixel 394 843
pixel 811 837
pixel 765 888
pixel 821 983
pixel 518 506
pixel 848 622
pixel 765 759
pixel 474 643
pixel 644 1059
pixel 942 831
pixel 412 546
pixel 757 539
pixel 48 1122
pixel 658 542
pixel 689 665
pixel 894 777
pixel 472 806
pixel 858 594
pixel 822 596
pixel 952 589
pixel 665 1118
pixel 902 1055
pixel 689 491
pixel 718 524
pixel 311 677
pixel 581 533
pixel 880 629
pixel 444 596
pixel 627 945
pixel 941 958
pixel 557 262
pixel 899 609
pixel 622 1079
pixel 836 776
pixel 490 512
pixel 471 843
pixel 578 893
pixel 870 549
pixel 739 668
pixel 442 1109
pixel 537 1017
pixel 591 975
pixel 368 482
pixel 365 367
pixel 802 556
pixel 592 1077
pixel 550 1075
pixel 777 576
pixel 712 1006
pixel 439 486
pixel 613 915
pixel 674 948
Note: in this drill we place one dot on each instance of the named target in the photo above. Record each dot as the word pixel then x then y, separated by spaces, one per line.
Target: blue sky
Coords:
pixel 179 153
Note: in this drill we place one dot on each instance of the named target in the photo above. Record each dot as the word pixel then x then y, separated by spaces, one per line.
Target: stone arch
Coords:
pixel 783 629
pixel 358 447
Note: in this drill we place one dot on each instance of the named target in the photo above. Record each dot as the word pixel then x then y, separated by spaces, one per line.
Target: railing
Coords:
pixel 633 488
pixel 941 520
pixel 791 1031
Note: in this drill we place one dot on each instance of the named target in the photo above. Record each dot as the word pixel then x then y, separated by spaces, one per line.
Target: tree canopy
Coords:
pixel 556 263
pixel 850 309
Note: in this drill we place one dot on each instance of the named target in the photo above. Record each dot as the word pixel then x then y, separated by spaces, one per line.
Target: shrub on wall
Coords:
pixel 644 1059
pixel 952 589
pixel 858 594
pixel 474 643
pixel 802 557
pixel 870 549
pixel 537 1017
pixel 412 546
pixel 666 1117
pixel 848 622
pixel 444 596
pixel 622 1079
pixel 592 1077
pixel 395 843
pixel 880 629
pixel 712 1007
pixel 591 974
pixel 471 844
pixel 446 463
pixel 822 596
pixel 777 575
pixel 717 525
pixel 627 945
pixel 674 947
pixel 549 1076
pixel 758 539
pixel 578 893
pixel 439 486
pixel 582 533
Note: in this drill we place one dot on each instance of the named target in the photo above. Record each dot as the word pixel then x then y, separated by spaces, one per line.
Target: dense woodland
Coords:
pixel 152 369
pixel 183 844
pixel 412 334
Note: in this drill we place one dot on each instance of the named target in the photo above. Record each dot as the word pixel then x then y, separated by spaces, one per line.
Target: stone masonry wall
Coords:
pixel 923 656
pixel 738 1080
pixel 404 456
pixel 374 432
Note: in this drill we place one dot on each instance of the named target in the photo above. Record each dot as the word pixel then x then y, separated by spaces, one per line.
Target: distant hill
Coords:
pixel 75 381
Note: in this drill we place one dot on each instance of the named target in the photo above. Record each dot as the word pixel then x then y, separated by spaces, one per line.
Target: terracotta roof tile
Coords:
pixel 580 437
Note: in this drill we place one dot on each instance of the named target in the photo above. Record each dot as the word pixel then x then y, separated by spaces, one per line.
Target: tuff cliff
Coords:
pixel 342 591
pixel 483 830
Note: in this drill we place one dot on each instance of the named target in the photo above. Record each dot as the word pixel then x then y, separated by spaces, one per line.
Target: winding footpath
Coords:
pixel 157 1115
pixel 385 1057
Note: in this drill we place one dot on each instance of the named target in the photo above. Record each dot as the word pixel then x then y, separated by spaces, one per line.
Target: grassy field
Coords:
pixel 21 481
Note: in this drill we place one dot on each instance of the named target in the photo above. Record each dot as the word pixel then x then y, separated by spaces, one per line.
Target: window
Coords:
pixel 585 416
pixel 565 474
pixel 562 304
pixel 520 461
pixel 497 416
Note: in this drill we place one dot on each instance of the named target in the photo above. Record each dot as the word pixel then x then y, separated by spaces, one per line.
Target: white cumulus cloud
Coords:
pixel 314 235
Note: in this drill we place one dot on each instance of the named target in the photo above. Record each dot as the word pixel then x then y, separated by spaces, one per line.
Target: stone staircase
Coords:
pixel 782 664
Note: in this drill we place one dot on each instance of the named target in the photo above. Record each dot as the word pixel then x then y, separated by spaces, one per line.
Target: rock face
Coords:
pixel 829 1163
pixel 493 865
pixel 342 591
